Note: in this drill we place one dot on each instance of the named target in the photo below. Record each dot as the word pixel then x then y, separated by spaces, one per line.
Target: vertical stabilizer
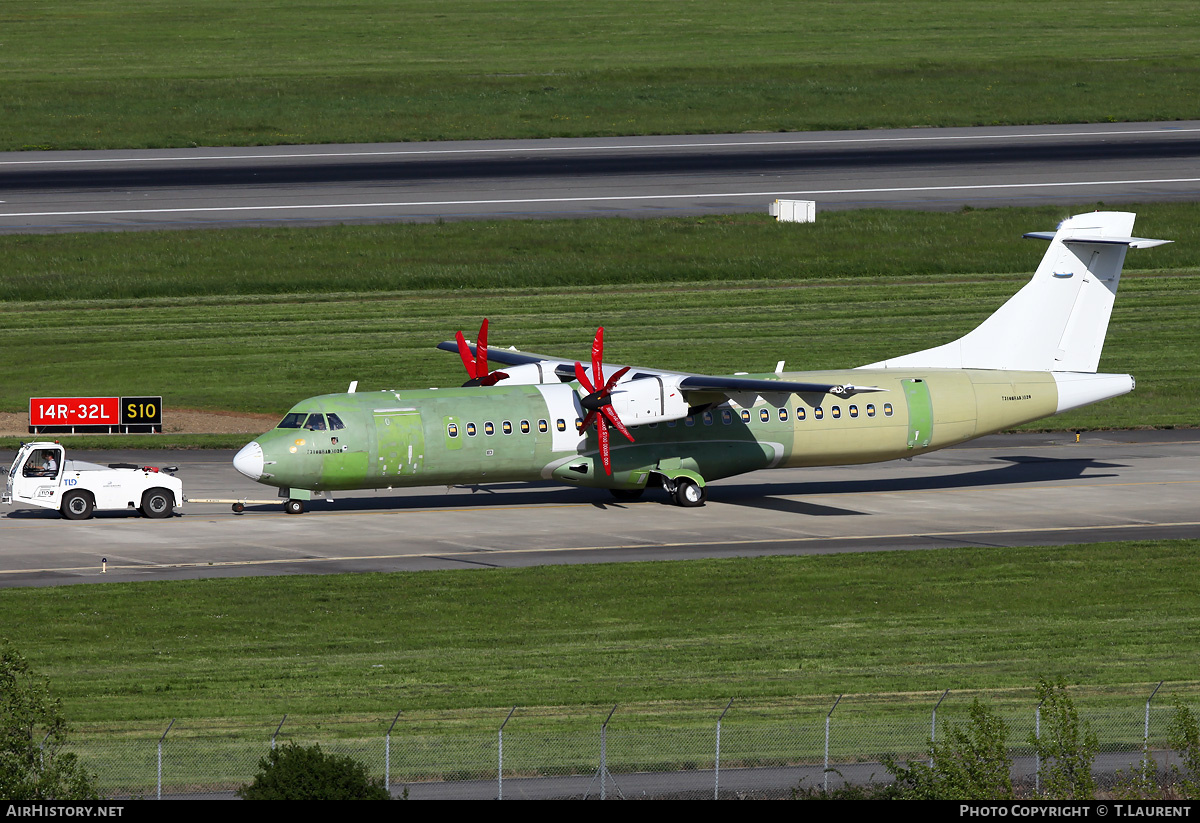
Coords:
pixel 1058 320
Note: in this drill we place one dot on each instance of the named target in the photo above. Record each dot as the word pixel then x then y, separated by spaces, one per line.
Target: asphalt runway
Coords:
pixel 598 177
pixel 999 491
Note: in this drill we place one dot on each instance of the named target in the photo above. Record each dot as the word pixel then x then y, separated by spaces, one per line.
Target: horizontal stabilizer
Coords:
pixel 1131 242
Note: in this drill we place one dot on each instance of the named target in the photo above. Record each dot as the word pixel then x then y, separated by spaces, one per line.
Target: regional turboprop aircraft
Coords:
pixel 1034 357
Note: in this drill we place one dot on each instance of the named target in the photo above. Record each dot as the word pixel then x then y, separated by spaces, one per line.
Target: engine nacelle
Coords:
pixel 528 374
pixel 648 400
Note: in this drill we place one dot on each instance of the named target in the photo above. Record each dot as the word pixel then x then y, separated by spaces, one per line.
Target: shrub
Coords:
pixel 1066 747
pixel 972 764
pixel 294 772
pixel 32 735
pixel 1141 783
pixel 1183 733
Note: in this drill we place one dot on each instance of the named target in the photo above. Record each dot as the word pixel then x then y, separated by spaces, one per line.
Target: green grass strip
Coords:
pixel 109 73
pixel 764 630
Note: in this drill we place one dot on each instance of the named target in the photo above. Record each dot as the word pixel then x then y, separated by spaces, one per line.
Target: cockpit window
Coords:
pixel 293 420
pixel 335 423
pixel 315 422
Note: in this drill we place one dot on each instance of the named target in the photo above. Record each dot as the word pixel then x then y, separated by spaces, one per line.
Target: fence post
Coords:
pixel 160 742
pixel 1146 734
pixel 933 727
pixel 1037 752
pixel 277 728
pixel 500 765
pixel 825 773
pixel 717 762
pixel 387 753
pixel 604 752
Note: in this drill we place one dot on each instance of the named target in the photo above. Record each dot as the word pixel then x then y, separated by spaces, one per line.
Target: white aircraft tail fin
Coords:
pixel 1058 320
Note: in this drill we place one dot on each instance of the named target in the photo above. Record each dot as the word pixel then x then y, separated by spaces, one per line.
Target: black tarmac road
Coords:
pixel 598 177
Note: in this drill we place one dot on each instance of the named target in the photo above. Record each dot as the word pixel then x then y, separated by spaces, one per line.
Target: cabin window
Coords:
pixel 578 424
pixel 470 430
pixel 708 418
pixel 524 427
pixel 818 412
pixel 543 426
pixel 764 415
pixel 837 412
pixel 452 430
pixel 293 420
pixel 506 427
pixel 801 413
pixel 887 409
pixel 783 415
pixel 335 423
pixel 689 420
pixel 745 415
pixel 870 410
pixel 853 410
pixel 726 417
pixel 489 429
pixel 560 424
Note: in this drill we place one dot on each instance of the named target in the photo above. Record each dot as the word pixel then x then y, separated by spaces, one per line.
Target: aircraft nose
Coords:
pixel 249 461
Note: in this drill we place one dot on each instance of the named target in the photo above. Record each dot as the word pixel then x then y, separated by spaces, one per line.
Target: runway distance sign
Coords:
pixel 95 414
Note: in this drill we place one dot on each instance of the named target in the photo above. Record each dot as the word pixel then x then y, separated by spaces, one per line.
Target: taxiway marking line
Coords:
pixel 618 547
pixel 933 138
pixel 596 199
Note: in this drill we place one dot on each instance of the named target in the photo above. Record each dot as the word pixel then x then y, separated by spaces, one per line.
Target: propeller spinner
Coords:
pixel 477 364
pixel 598 401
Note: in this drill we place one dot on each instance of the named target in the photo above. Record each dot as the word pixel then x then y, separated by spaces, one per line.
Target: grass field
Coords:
pixel 110 73
pixel 256 319
pixel 456 647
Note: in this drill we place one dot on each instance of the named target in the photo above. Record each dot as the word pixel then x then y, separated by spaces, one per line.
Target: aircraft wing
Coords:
pixel 688 382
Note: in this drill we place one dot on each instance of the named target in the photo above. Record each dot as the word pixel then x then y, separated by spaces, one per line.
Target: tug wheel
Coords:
pixel 157 503
pixel 77 505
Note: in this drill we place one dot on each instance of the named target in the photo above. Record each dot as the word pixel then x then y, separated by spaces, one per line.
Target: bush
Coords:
pixel 1066 746
pixel 32 735
pixel 972 764
pixel 294 772
pixel 1141 783
pixel 1184 735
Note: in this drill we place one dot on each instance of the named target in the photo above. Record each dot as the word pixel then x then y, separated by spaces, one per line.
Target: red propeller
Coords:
pixel 598 401
pixel 477 365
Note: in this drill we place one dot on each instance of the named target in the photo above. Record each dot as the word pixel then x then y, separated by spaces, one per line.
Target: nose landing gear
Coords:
pixel 688 493
pixel 686 488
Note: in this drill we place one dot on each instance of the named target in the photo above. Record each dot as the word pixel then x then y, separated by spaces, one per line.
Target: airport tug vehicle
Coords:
pixel 40 475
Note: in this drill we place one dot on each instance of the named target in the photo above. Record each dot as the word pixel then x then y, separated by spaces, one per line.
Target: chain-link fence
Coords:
pixel 675 751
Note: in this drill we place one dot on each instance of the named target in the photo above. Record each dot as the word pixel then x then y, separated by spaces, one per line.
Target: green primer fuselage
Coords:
pixel 526 433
